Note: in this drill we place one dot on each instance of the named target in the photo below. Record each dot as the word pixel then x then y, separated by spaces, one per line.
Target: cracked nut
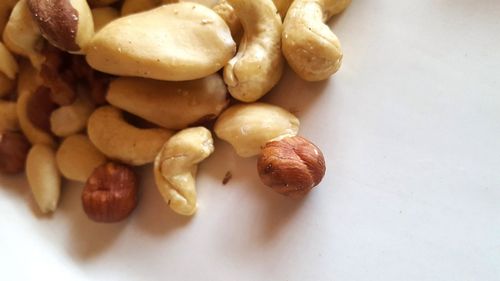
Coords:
pixel 291 166
pixel 13 150
pixel 110 194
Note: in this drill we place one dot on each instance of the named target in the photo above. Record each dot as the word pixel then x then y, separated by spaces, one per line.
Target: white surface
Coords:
pixel 411 131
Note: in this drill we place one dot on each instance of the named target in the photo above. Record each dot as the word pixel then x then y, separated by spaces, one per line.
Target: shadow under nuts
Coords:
pixel 291 166
pixel 13 150
pixel 110 194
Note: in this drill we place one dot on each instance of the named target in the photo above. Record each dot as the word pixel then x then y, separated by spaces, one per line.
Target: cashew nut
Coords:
pixel 247 127
pixel 22 36
pixel 8 64
pixel 312 50
pixel 43 177
pixel 137 6
pixel 35 106
pixel 103 16
pixel 66 24
pixel 173 105
pixel 117 139
pixel 176 165
pixel 77 158
pixel 8 116
pixel 5 10
pixel 226 12
pixel 258 65
pixel 6 85
pixel 70 119
pixel 184 41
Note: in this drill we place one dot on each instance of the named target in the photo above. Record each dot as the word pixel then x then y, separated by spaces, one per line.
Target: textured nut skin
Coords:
pixel 110 194
pixel 291 166
pixel 66 24
pixel 14 148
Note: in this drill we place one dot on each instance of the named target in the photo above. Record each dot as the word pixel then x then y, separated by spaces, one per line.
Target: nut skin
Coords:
pixel 14 148
pixel 110 194
pixel 291 166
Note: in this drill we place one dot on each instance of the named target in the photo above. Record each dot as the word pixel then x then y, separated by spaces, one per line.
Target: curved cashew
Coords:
pixel 43 177
pixel 226 12
pixel 258 65
pixel 117 139
pixel 70 119
pixel 198 44
pixel 8 116
pixel 173 105
pixel 66 24
pixel 248 127
pixel 176 165
pixel 103 16
pixel 8 64
pixel 33 110
pixel 312 50
pixel 77 158
pixel 22 36
pixel 6 85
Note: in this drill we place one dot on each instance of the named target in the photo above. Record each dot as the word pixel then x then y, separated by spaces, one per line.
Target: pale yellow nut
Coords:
pixel 184 41
pixel 258 65
pixel 137 6
pixel 71 119
pixel 248 127
pixel 312 50
pixel 6 7
pixel 6 85
pixel 226 12
pixel 8 64
pixel 66 24
pixel 77 158
pixel 172 105
pixel 43 177
pixel 22 36
pixel 176 165
pixel 103 16
pixel 117 139
pixel 8 116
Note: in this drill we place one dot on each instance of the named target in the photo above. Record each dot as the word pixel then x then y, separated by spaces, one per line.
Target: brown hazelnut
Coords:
pixel 14 148
pixel 110 193
pixel 291 166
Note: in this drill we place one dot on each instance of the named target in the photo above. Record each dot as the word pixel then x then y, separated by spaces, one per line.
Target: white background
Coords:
pixel 410 128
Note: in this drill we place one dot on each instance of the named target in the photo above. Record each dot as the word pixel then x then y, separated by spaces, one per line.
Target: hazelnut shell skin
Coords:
pixel 291 166
pixel 14 149
pixel 110 194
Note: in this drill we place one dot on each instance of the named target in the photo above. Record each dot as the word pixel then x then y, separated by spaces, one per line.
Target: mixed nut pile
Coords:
pixel 90 89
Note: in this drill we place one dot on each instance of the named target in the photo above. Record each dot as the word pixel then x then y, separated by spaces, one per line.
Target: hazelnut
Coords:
pixel 13 150
pixel 291 166
pixel 110 193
